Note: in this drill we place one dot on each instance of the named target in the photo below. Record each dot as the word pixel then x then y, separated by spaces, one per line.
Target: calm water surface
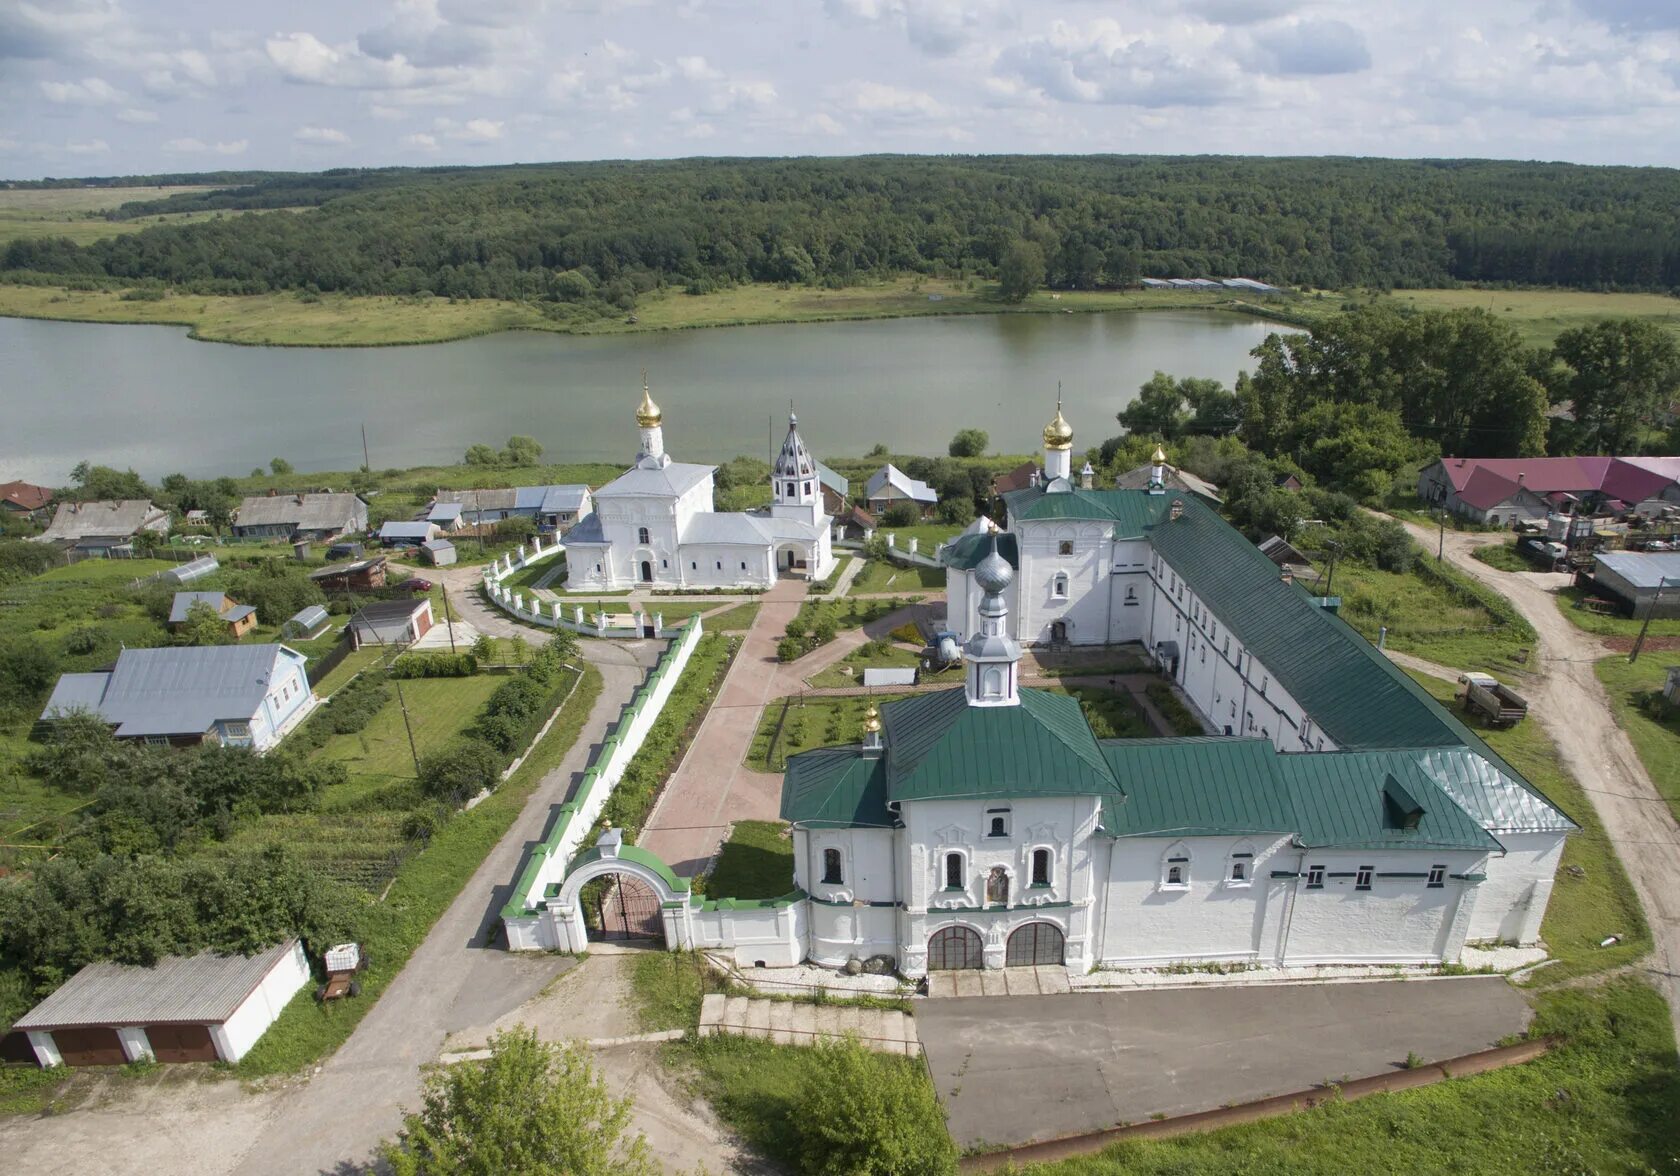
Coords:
pixel 151 398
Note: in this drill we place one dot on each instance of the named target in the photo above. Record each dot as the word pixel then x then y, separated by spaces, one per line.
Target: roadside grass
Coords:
pixel 1600 902
pixel 668 738
pixel 1610 624
pixel 525 579
pixel 885 576
pixel 1602 1102
pixel 820 721
pixel 423 889
pixel 667 987
pixel 756 862
pixel 1502 556
pixel 1651 721
pixel 869 657
pixel 1111 713
pixel 734 620
pixel 379 755
pixel 1434 613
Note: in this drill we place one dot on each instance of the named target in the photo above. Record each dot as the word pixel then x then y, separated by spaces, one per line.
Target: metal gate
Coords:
pixel 1032 944
pixel 96 1046
pixel 181 1043
pixel 627 908
pixel 953 949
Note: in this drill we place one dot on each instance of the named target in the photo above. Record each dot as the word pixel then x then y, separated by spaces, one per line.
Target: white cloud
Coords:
pixel 191 146
pixel 421 141
pixel 938 28
pixel 87 92
pixel 321 136
pixel 695 69
pixel 475 131
pixel 1306 47
pixel 879 100
pixel 87 147
pixel 136 116
pixel 1103 64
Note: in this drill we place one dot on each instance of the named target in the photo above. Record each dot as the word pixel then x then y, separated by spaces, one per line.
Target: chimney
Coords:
pixel 1288 576
pixel 1176 509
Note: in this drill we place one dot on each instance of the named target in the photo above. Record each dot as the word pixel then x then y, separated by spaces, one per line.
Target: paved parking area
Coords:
pixel 1016 1069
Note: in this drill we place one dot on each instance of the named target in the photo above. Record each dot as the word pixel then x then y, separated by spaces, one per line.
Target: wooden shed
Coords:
pixel 200 1008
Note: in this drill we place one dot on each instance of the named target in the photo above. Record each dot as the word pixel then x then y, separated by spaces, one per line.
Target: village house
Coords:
pixel 554 509
pixel 240 619
pixel 104 528
pixel 24 500
pixel 1646 583
pixel 236 695
pixel 1172 478
pixel 1505 490
pixel 299 518
pixel 654 524
pixel 359 575
pixel 889 486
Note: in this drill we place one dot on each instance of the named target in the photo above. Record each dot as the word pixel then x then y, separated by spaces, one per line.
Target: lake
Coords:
pixel 151 398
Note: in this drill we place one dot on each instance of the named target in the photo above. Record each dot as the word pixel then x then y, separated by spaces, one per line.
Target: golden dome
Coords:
pixel 872 719
pixel 1159 457
pixel 648 414
pixel 1058 434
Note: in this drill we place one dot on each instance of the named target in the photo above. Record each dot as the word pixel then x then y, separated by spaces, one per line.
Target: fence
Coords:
pixel 551 614
pixel 909 554
pixel 547 863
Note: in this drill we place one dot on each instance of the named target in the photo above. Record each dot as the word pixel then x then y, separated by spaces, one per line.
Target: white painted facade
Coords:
pixel 235 1036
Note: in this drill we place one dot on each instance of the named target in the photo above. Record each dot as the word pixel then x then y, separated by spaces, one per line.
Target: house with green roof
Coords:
pixel 1333 812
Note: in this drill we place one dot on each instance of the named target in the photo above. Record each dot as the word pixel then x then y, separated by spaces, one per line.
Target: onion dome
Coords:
pixel 993 573
pixel 1058 434
pixel 648 414
pixel 1159 457
pixel 872 719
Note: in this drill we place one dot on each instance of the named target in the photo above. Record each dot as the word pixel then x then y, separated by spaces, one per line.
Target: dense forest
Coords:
pixel 602 233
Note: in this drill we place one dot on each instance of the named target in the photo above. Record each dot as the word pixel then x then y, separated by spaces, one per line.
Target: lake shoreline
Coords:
pixel 388 321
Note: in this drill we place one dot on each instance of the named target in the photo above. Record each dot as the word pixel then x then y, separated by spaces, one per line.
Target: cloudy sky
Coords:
pixel 90 87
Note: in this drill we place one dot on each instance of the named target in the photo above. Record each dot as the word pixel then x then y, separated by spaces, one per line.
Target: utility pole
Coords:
pixel 367 462
pixel 402 703
pixel 448 620
pixel 1441 542
pixel 1639 641
pixel 1330 579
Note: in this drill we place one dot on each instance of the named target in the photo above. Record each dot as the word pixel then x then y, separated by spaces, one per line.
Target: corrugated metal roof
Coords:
pixel 175 691
pixel 306 619
pixel 833 480
pixel 725 529
pixel 303 512
pixel 836 786
pixel 1132 512
pixel 396 529
pixel 939 746
pixel 1644 569
pixel 110 518
pixel 1189 787
pixel 1501 802
pixel 1339 801
pixel 668 481
pixel 911 488
pixel 201 989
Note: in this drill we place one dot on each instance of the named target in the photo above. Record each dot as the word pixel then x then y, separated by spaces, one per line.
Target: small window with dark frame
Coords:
pixel 1065 547
pixel 833 875
pixel 1362 879
pixel 1437 877
pixel 1175 875
pixel 1315 877
pixel 953 871
pixel 642 535
pixel 1041 867
pixel 997 822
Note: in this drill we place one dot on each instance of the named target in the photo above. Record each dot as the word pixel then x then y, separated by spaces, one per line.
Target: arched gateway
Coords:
pixel 1034 943
pixel 617 891
pixel 954 949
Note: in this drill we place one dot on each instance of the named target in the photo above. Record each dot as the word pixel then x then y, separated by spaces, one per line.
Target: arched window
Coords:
pixel 1175 867
pixel 954 871
pixel 1059 586
pixel 1041 867
pixel 997 822
pixel 1239 867
pixel 642 535
pixel 832 873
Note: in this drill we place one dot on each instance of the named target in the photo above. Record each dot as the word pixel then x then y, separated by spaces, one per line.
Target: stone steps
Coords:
pixel 787 1022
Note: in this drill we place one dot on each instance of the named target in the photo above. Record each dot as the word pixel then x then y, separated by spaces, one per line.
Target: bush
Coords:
pixel 434 665
pixel 462 768
pixel 866 1119
pixel 901 514
pixel 908 633
pixel 823 631
pixel 788 649
pixel 352 708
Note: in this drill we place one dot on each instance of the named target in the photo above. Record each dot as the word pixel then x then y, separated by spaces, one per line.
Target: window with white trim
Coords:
pixel 997 822
pixel 1239 867
pixel 954 871
pixel 1437 877
pixel 1059 586
pixel 642 535
pixel 1041 867
pixel 1315 877
pixel 1362 879
pixel 1065 547
pixel 833 874
pixel 1175 867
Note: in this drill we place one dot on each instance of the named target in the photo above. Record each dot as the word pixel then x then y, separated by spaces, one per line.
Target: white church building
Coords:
pixel 1334 812
pixel 654 524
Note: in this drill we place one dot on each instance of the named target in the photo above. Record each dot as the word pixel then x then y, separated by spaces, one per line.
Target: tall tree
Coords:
pixel 1158 410
pixel 1021 271
pixel 1619 373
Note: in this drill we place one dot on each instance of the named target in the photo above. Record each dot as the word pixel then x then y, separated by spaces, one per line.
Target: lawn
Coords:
pixel 1603 1102
pixel 379 755
pixel 886 576
pixel 819 721
pixel 1610 624
pixel 1441 615
pixel 1649 720
pixel 928 536
pixel 756 862
pixel 1584 909
pixel 1503 556
pixel 734 620
pixel 354 663
pixel 526 578
pixel 869 657
pixel 1111 713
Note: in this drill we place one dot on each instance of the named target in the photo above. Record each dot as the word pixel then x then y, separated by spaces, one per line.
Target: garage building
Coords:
pixel 1647 583
pixel 201 1008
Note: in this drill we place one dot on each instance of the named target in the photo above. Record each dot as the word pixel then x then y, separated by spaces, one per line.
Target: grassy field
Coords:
pixel 822 721
pixel 77 213
pixel 333 321
pixel 1610 624
pixel 1503 556
pixel 1585 908
pixel 378 755
pixel 1540 315
pixel 1450 620
pixel 886 576
pixel 866 658
pixel 1602 1103
pixel 1650 721
pixel 734 620
pixel 756 862
pixel 1111 714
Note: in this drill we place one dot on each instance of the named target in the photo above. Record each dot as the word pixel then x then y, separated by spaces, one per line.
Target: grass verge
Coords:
pixel 667 986
pixel 756 862
pixel 1651 721
pixel 1435 612
pixel 1502 556
pixel 1173 710
pixel 424 887
pixel 1610 624
pixel 735 620
pixel 885 576
pixel 822 721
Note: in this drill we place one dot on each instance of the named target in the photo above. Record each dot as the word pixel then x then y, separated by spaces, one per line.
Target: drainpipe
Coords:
pixel 1289 907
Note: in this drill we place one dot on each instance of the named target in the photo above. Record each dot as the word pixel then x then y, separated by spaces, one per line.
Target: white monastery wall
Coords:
pixel 235 1037
pixel 1208 917
pixel 1399 920
pixel 1512 902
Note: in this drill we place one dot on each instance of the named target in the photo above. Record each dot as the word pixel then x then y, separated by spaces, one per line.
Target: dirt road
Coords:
pixel 1567 698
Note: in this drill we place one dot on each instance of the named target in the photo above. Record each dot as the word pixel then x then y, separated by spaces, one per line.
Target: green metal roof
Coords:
pixel 632 853
pixel 1347 800
pixel 1200 786
pixel 939 747
pixel 966 551
pixel 836 786
pixel 1132 512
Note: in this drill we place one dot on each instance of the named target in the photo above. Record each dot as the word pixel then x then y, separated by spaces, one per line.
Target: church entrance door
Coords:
pixel 621 906
pixel 1058 632
pixel 955 948
pixel 1033 944
pixel 647 571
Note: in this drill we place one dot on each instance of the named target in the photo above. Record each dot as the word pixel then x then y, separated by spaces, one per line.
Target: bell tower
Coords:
pixel 650 420
pixel 1058 447
pixel 795 491
pixel 992 656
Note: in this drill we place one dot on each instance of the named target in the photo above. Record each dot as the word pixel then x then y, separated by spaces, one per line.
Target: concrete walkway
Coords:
pixel 999 982
pixel 1565 695
pixel 788 1022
